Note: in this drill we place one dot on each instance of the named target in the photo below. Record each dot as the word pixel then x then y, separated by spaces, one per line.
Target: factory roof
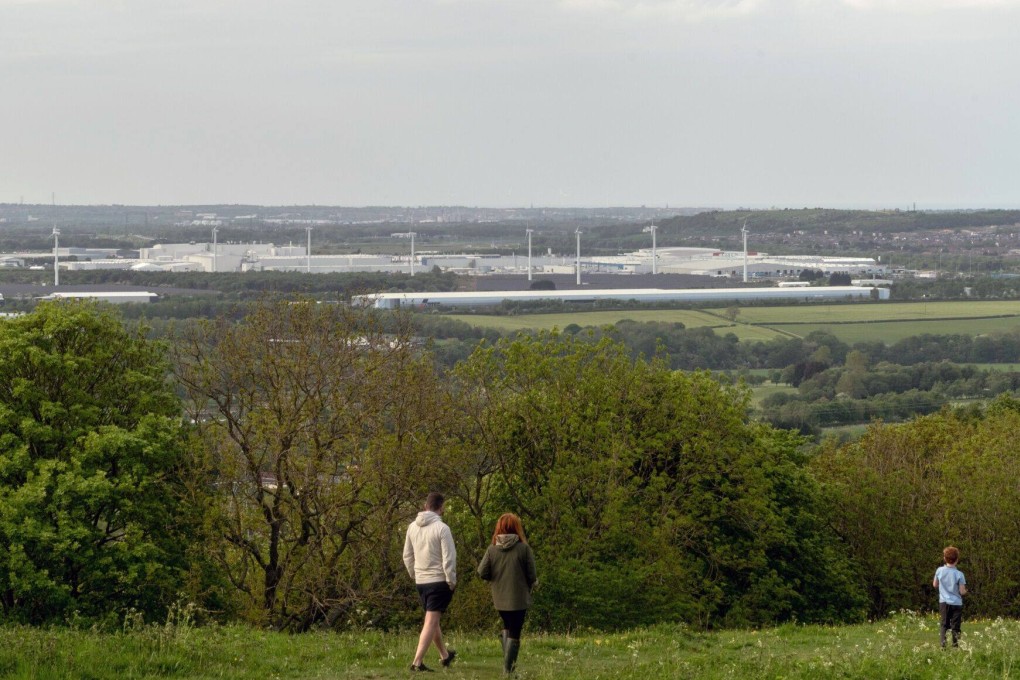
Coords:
pixel 638 294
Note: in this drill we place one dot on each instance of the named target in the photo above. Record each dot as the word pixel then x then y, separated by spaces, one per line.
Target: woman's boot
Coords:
pixel 510 655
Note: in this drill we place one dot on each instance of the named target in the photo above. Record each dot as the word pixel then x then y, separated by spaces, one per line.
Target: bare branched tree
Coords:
pixel 321 428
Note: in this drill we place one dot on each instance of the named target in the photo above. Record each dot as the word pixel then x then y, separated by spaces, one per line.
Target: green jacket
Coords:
pixel 509 566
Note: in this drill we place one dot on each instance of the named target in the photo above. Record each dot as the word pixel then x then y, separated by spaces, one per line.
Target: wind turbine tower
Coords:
pixel 214 232
pixel 413 234
pixel 743 230
pixel 529 233
pixel 56 257
pixel 308 252
pixel 577 233
pixel 652 228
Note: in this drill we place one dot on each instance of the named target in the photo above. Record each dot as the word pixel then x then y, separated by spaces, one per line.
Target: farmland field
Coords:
pixel 904 646
pixel 760 392
pixel 689 318
pixel 851 323
pixel 997 367
pixel 891 331
pixel 887 311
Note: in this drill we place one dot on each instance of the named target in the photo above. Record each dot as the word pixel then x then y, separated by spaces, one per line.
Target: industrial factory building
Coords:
pixel 113 297
pixel 720 295
pixel 244 257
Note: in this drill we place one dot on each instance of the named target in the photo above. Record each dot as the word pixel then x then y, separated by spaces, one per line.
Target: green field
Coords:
pixel 892 331
pixel 1012 368
pixel 851 323
pixel 889 311
pixel 689 318
pixel 905 646
pixel 760 392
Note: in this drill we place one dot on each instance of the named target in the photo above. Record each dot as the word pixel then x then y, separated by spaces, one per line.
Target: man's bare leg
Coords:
pixel 429 632
pixel 438 640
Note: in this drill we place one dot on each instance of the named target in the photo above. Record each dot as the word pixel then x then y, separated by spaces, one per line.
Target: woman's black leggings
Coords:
pixel 513 622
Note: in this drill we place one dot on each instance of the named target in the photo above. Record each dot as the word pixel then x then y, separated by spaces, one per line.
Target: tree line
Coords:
pixel 264 469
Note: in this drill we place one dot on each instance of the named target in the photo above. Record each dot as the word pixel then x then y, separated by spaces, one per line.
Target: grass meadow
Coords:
pixel 760 392
pixel 892 331
pixel 691 318
pixel 885 311
pixel 851 323
pixel 903 646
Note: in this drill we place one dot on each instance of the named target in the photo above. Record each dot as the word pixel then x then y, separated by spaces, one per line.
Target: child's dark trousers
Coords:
pixel 951 616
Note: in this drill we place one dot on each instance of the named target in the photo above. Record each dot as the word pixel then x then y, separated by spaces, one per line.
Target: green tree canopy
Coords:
pixel 89 439
pixel 903 492
pixel 647 493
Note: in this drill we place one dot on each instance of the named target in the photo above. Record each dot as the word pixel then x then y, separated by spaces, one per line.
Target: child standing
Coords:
pixel 952 587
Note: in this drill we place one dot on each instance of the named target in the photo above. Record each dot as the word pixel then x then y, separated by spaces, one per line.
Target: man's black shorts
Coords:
pixel 435 597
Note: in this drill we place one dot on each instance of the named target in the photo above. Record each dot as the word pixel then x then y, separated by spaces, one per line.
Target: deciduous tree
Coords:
pixel 647 493
pixel 89 451
pixel 322 430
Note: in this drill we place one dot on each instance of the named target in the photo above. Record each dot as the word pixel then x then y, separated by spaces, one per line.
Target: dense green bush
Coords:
pixel 903 492
pixel 648 494
pixel 90 519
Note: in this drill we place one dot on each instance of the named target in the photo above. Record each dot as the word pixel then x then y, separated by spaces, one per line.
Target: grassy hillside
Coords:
pixel 905 646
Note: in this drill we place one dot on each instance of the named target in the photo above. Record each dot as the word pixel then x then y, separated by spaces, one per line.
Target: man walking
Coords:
pixel 431 560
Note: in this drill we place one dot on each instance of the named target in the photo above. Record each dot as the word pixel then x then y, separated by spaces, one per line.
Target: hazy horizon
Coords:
pixel 870 104
pixel 733 207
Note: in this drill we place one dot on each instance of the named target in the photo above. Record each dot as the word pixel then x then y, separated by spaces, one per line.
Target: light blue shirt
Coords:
pixel 950 579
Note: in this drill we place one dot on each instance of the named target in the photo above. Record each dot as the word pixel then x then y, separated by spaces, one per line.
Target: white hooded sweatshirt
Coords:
pixel 429 553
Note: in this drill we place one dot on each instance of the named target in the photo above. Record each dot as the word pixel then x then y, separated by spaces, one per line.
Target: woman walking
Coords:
pixel 509 566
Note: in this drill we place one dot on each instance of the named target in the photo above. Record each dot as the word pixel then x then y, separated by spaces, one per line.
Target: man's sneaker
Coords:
pixel 420 668
pixel 449 659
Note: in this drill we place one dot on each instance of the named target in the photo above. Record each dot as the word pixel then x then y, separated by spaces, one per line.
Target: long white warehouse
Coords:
pixel 482 299
pixel 113 297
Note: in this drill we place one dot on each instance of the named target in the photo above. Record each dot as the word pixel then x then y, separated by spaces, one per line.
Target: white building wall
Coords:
pixel 481 299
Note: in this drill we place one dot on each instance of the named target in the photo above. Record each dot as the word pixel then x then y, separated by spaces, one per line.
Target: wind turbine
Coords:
pixel 652 228
pixel 413 234
pixel 56 257
pixel 743 230
pixel 214 232
pixel 577 233
pixel 529 232
pixel 308 252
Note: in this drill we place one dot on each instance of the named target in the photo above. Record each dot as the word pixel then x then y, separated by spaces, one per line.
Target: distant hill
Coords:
pixel 818 220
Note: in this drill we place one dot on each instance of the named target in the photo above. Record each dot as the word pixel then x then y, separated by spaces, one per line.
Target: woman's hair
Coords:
pixel 951 555
pixel 509 523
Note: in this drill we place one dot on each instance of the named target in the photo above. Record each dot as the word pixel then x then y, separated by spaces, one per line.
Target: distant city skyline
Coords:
pixel 906 206
pixel 551 103
pixel 666 207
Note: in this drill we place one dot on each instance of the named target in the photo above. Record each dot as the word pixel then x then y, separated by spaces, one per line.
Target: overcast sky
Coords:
pixel 511 102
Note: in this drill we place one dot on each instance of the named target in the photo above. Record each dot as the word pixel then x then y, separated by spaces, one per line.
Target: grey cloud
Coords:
pixel 496 101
